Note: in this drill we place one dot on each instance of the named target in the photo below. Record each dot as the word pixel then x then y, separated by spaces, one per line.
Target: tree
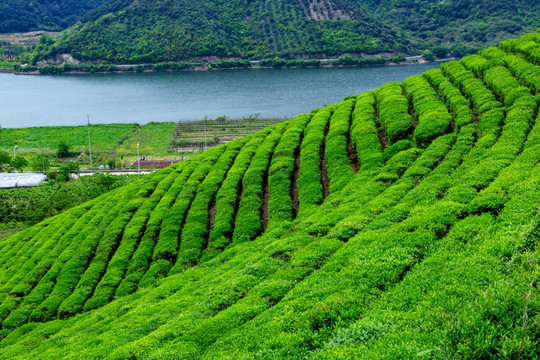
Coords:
pixel 251 117
pixel 5 161
pixel 460 51
pixel 38 163
pixel 63 149
pixel 440 51
pixel 428 55
pixel 65 171
pixel 19 163
pixel 112 163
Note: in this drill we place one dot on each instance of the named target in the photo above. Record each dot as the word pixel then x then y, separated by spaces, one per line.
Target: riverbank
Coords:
pixel 346 61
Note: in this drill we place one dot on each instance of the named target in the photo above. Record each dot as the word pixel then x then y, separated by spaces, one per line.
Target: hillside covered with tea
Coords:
pixel 401 222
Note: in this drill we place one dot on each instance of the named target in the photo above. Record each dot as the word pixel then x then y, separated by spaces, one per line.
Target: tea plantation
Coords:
pixel 400 223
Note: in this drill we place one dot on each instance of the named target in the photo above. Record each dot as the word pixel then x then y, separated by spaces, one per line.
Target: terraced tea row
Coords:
pixel 343 233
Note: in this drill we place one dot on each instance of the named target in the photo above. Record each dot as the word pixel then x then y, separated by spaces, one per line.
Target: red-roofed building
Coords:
pixel 155 164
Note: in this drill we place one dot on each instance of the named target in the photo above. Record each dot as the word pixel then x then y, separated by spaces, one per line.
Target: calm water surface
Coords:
pixel 183 96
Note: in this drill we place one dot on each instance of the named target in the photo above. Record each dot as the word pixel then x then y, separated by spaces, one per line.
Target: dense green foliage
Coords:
pixel 176 30
pixel 394 115
pixel 7 65
pixel 11 163
pixel 400 223
pixel 22 16
pixel 32 205
pixel 283 33
pixel 456 27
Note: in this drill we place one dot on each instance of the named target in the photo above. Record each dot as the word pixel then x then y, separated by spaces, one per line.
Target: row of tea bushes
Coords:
pixel 310 178
pixel 249 222
pixel 340 170
pixel 394 114
pixel 281 182
pixel 432 115
pixel 227 198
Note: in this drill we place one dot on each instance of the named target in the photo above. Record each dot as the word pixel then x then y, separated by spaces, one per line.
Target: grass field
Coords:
pixel 401 223
pixel 154 139
pixel 170 141
pixel 104 137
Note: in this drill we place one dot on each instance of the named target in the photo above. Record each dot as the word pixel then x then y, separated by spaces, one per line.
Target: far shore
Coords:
pixel 325 63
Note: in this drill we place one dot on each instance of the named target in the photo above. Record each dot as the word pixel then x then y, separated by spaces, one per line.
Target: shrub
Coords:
pixel 195 232
pixel 63 150
pixel 433 116
pixel 140 261
pixel 167 245
pixel 393 110
pixel 310 181
pixel 364 134
pixel 459 106
pixel 340 170
pixel 131 237
pixel 227 198
pixel 280 172
pixel 248 223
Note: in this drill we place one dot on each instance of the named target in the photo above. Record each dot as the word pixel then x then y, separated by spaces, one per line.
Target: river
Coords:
pixel 27 101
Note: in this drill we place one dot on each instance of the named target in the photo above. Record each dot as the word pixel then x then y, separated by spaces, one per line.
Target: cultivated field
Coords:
pixel 119 141
pixel 401 222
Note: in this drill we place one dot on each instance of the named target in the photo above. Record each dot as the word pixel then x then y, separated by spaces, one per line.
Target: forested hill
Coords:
pixel 25 15
pixel 459 23
pixel 403 222
pixel 170 30
pixel 146 31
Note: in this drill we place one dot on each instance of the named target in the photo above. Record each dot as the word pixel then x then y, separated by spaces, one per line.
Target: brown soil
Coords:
pixel 324 177
pixel 323 10
pixel 351 151
pixel 264 212
pixel 325 181
pixel 382 137
pixel 380 132
pixel 25 39
pixel 353 156
pixel 236 206
pixel 211 216
pixel 294 183
pixel 413 118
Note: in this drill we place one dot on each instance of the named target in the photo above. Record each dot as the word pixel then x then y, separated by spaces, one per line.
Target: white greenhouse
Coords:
pixel 16 180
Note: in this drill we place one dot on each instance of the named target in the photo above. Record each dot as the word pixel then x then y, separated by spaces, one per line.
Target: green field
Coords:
pixel 104 137
pixel 401 223
pixel 119 141
pixel 153 139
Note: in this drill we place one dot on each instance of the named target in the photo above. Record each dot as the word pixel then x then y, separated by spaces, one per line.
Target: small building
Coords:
pixel 18 180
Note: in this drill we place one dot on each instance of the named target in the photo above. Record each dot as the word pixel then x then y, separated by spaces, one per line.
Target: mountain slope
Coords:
pixel 145 31
pixel 22 16
pixel 472 23
pixel 172 30
pixel 400 222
